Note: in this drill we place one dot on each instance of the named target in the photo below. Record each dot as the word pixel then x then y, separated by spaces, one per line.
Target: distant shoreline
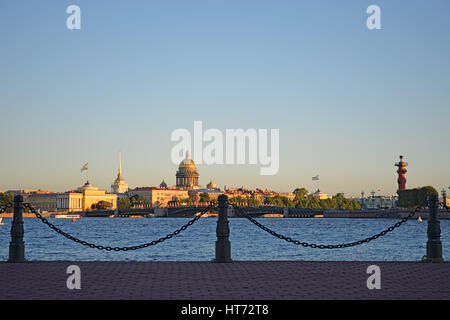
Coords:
pixel 368 214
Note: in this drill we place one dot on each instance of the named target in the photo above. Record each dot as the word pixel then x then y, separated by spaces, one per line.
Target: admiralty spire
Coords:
pixel 119 185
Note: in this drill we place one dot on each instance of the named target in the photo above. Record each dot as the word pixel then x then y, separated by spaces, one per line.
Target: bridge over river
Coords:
pixel 263 211
pixel 174 212
pixel 185 212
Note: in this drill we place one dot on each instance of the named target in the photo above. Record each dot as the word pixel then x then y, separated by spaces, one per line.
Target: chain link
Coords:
pixel 3 208
pixel 444 206
pixel 322 246
pixel 99 247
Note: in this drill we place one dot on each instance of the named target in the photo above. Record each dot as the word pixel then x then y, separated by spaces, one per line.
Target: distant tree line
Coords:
pixel 6 198
pixel 101 205
pixel 417 197
pixel 130 202
pixel 245 201
pixel 337 202
pixel 302 200
pixel 194 198
pixel 136 200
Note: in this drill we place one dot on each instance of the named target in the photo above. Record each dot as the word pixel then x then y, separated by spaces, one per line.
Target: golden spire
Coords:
pixel 119 176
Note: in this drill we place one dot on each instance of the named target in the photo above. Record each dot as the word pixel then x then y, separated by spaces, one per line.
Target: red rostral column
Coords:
pixel 401 174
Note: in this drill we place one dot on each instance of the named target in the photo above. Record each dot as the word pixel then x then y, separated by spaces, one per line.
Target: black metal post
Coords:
pixel 444 198
pixel 17 246
pixel 434 245
pixel 223 246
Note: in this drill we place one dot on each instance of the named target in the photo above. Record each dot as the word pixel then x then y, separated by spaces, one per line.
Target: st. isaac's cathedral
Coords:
pixel 187 175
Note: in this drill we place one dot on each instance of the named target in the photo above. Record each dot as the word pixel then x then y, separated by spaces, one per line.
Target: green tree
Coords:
pixel 325 204
pixel 187 201
pixel 252 202
pixel 204 197
pixel 194 197
pixel 240 200
pixel 6 198
pixel 138 200
pixel 175 201
pixel 101 205
pixel 300 194
pixel 338 202
pixel 123 203
pixel 423 194
pixel 417 197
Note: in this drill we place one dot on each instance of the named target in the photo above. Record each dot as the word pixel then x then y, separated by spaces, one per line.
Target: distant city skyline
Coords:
pixel 347 100
pixel 315 183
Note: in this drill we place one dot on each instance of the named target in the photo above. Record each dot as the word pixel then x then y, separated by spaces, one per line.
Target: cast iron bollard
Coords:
pixel 434 245
pixel 223 246
pixel 17 246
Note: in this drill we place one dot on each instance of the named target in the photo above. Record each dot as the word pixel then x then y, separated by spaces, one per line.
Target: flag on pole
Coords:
pixel 85 167
pixel 315 178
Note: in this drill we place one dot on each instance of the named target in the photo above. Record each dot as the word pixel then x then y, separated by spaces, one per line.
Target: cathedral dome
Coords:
pixel 187 175
pixel 211 185
pixel 188 163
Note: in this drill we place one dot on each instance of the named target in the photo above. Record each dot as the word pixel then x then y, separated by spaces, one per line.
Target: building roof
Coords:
pixel 43 194
pixel 206 191
pixel 163 184
pixel 29 191
pixel 211 185
pixel 156 188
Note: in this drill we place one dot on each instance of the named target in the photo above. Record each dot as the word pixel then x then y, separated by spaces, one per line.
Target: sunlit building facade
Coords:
pixel 160 196
pixel 84 198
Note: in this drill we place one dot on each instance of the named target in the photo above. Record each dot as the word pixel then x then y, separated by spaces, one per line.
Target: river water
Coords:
pixel 248 242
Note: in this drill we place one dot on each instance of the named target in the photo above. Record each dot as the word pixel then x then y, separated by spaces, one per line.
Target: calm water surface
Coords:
pixel 197 243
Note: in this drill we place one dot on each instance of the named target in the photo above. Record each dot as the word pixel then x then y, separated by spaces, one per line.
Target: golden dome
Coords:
pixel 187 175
pixel 187 162
pixel 211 185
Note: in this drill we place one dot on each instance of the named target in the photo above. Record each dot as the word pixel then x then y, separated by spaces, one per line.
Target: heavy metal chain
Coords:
pixel 322 246
pixel 99 247
pixel 3 208
pixel 444 206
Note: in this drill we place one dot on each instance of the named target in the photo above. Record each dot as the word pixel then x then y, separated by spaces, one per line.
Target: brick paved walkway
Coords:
pixel 270 280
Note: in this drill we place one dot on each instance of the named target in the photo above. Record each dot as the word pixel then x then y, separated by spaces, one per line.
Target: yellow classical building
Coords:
pixel 84 198
pixel 42 201
pixel 160 196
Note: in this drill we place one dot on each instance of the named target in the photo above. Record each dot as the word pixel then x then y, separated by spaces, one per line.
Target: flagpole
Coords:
pixel 86 167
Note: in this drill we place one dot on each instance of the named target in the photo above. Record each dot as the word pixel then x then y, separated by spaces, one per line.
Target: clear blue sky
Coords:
pixel 348 101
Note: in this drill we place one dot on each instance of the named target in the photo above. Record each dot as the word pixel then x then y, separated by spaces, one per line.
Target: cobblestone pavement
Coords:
pixel 246 280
